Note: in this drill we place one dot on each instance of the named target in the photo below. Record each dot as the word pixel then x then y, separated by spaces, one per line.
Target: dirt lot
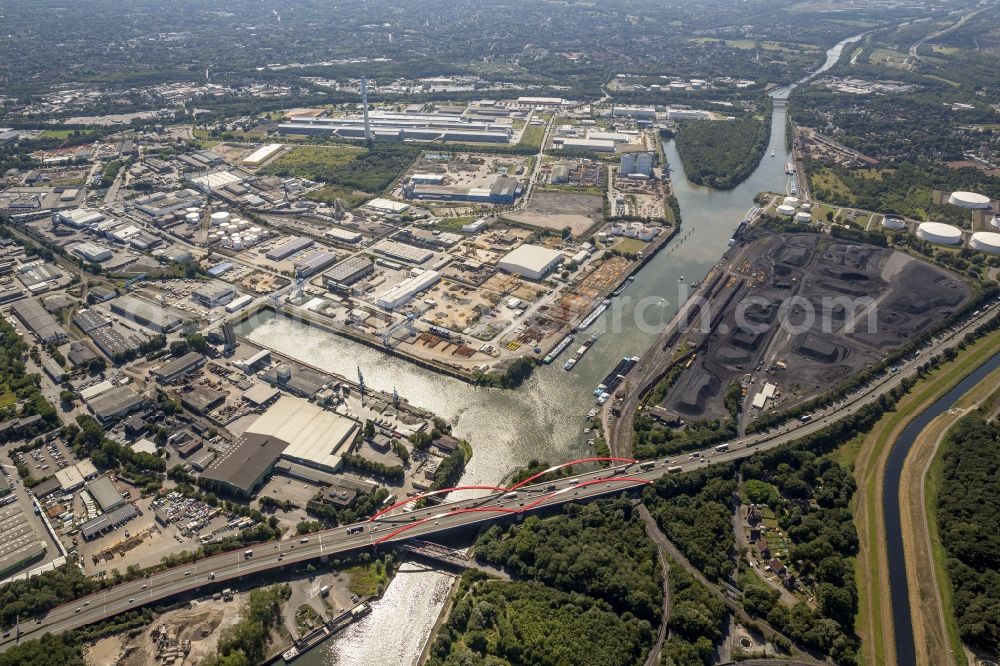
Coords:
pixel 202 625
pixel 798 302
pixel 557 210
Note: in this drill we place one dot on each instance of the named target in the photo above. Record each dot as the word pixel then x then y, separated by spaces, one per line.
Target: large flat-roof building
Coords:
pixel 178 367
pixel 313 263
pixel 115 403
pixel 146 313
pixel 293 428
pixel 316 437
pixel 340 278
pixel 213 294
pixel 401 293
pixel 290 247
pixel 21 543
pixel 531 261
pixel 38 321
pixel 105 494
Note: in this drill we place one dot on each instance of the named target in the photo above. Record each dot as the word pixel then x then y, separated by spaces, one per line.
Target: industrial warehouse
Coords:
pixel 292 428
pixel 389 126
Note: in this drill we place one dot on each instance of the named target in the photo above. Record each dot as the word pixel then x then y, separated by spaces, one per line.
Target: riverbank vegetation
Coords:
pixel 589 590
pixel 968 505
pixel 598 549
pixel 247 641
pixel 722 154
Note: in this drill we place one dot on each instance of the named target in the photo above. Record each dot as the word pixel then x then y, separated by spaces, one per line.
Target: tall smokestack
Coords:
pixel 364 101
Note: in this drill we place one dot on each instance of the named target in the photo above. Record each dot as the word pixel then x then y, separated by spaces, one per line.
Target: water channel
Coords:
pixel 545 417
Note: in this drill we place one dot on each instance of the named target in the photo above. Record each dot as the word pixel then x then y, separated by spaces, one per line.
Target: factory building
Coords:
pixel 79 219
pixel 387 206
pixel 291 428
pixel 261 155
pixel 21 544
pixel 239 303
pixel 92 253
pixel 392 126
pixel 648 113
pixel 213 294
pixel 105 494
pixel 340 278
pixel 176 368
pixel 343 236
pixel 401 293
pixel 595 145
pixel 38 321
pixel 313 263
pixel 503 190
pixel 287 249
pixel 115 403
pixel 533 262
pixel 145 313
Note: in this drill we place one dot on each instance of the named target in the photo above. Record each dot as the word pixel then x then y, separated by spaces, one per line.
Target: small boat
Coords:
pixel 568 365
pixel 772 152
pixel 290 654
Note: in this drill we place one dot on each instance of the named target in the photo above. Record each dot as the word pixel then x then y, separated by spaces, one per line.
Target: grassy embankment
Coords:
pixel 874 622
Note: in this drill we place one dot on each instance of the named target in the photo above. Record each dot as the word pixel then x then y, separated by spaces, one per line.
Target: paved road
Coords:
pixel 433 520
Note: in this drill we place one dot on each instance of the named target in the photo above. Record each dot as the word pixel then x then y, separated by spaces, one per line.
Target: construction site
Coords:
pixel 796 314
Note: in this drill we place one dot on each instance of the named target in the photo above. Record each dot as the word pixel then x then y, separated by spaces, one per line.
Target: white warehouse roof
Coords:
pixel 531 261
pixel 315 436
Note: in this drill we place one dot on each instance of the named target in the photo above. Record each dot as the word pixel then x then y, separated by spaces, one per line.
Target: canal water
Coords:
pixel 546 416
pixel 898 585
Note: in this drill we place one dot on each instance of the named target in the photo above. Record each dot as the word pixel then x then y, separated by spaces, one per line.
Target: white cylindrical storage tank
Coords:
pixel 255 230
pixel 237 245
pixel 986 241
pixel 192 218
pixel 890 222
pixel 191 209
pixel 219 217
pixel 995 222
pixel 791 201
pixel 803 217
pixel 942 234
pixel 807 207
pixel 786 210
pixel 243 224
pixel 969 200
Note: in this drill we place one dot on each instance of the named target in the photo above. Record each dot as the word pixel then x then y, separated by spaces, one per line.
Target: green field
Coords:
pixel 532 136
pixel 63 133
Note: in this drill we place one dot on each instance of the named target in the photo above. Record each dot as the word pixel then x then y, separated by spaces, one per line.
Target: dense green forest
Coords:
pixel 16 386
pixel 599 549
pixel 722 154
pixel 696 620
pixel 499 623
pixel 695 512
pixel 968 506
pixel 589 565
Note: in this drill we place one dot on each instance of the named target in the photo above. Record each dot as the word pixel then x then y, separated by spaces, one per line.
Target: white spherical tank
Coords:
pixel 791 201
pixel 890 222
pixel 969 200
pixel 803 217
pixel 942 234
pixel 786 210
pixel 986 241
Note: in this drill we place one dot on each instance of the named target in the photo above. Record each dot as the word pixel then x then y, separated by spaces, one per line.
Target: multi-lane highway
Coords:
pixel 428 521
